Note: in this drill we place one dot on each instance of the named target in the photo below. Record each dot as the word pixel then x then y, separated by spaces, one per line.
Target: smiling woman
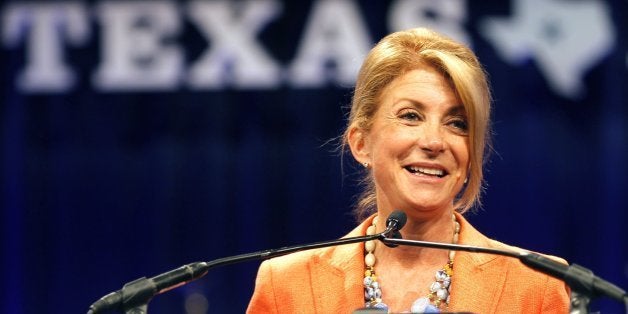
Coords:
pixel 402 52
pixel 419 125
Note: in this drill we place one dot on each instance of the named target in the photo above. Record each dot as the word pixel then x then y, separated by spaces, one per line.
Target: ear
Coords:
pixel 358 142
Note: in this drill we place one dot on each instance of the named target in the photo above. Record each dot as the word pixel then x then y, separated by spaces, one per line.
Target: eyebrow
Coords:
pixel 457 110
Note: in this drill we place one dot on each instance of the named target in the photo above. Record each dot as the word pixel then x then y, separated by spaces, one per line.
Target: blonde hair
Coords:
pixel 401 52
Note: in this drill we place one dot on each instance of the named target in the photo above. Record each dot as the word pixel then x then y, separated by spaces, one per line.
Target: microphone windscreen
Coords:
pixel 398 216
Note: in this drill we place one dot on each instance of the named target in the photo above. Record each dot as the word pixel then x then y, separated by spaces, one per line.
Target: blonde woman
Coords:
pixel 419 126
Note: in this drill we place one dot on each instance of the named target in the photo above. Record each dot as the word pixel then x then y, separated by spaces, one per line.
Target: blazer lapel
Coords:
pixel 337 276
pixel 478 279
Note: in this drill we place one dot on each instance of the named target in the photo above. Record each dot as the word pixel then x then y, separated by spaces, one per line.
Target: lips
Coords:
pixel 427 171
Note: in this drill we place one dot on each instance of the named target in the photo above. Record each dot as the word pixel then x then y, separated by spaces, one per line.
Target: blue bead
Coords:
pixel 380 305
pixel 441 275
pixel 419 305
pixel 431 309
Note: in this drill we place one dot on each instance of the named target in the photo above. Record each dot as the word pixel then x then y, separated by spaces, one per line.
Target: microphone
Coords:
pixel 396 220
pixel 135 295
pixel 580 279
pixel 138 292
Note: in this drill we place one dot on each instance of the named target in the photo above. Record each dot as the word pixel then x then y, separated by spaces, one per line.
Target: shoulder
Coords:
pixel 521 286
pixel 534 290
pixel 301 280
pixel 524 277
pixel 502 246
pixel 281 282
pixel 336 255
pixel 296 262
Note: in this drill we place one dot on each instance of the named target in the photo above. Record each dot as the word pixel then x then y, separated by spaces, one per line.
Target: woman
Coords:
pixel 419 125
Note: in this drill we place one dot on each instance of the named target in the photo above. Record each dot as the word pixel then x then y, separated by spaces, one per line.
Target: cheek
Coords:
pixel 462 154
pixel 392 143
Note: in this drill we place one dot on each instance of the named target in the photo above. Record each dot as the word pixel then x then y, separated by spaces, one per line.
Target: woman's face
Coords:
pixel 418 144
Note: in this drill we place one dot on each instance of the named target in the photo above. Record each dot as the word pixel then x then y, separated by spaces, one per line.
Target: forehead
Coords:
pixel 425 85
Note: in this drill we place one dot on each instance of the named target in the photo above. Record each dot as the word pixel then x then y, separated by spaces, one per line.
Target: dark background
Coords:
pixel 99 188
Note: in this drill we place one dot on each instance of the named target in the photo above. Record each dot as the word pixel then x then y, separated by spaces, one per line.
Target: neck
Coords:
pixel 439 228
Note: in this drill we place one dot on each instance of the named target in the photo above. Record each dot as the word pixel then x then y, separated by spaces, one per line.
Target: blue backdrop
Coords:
pixel 123 155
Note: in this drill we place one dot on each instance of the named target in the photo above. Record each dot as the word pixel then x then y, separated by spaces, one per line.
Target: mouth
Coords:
pixel 426 171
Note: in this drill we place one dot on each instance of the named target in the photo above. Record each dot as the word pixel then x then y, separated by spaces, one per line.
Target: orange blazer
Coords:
pixel 329 280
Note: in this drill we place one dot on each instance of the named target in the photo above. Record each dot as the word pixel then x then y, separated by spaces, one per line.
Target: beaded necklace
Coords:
pixel 438 296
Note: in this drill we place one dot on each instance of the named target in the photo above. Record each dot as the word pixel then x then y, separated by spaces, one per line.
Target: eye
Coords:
pixel 460 123
pixel 409 115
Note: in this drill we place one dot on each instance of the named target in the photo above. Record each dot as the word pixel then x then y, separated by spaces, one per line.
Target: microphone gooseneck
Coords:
pixel 577 277
pixel 139 292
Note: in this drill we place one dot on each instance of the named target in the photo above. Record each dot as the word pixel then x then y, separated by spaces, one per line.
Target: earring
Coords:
pixel 366 165
pixel 466 180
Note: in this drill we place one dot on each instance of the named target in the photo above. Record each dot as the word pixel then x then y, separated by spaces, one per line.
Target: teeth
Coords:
pixel 428 171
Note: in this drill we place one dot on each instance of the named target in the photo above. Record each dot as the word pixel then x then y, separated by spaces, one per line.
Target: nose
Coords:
pixel 434 146
pixel 431 140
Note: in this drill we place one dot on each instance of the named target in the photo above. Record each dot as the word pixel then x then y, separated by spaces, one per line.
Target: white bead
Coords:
pixel 441 275
pixel 446 282
pixel 369 246
pixel 370 230
pixel 435 286
pixel 442 294
pixel 369 259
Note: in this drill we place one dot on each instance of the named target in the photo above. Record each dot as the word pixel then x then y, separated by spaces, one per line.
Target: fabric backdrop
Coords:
pixel 139 136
